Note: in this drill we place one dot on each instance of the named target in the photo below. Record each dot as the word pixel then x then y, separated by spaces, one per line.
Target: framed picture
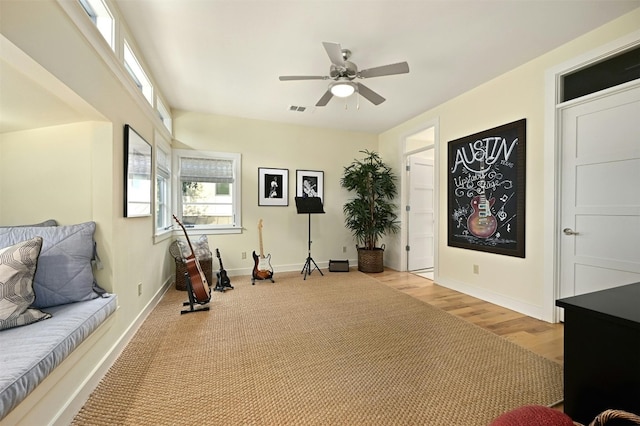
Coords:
pixel 486 190
pixel 137 174
pixel 310 183
pixel 273 187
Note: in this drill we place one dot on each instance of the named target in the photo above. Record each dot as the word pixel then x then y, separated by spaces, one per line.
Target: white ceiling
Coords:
pixel 225 56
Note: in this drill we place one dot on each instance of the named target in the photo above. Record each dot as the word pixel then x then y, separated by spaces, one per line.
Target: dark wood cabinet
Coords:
pixel 602 352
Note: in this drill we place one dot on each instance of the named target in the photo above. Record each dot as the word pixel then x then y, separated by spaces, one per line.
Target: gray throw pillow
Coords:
pixel 64 273
pixel 17 269
pixel 49 222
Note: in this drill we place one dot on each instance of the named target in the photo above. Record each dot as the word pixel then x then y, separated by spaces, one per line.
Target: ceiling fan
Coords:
pixel 343 72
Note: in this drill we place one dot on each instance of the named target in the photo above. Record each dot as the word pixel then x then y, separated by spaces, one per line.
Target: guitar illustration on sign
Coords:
pixel 262 269
pixel 481 223
pixel 200 286
pixel 223 278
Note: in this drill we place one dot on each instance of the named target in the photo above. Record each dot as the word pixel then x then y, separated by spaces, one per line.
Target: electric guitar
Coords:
pixel 262 269
pixel 481 222
pixel 223 278
pixel 199 284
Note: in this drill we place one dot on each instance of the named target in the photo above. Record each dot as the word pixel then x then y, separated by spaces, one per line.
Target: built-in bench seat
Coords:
pixel 29 353
pixel 50 303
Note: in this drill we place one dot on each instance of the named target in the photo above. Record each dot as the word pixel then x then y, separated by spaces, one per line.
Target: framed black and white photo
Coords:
pixel 486 190
pixel 137 174
pixel 310 183
pixel 273 187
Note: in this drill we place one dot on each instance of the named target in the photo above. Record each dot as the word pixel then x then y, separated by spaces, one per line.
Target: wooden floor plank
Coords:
pixel 538 336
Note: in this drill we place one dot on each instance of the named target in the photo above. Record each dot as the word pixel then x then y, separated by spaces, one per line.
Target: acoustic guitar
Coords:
pixel 223 277
pixel 199 284
pixel 262 269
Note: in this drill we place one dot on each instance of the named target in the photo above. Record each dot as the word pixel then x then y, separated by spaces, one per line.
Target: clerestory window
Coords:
pixel 102 18
pixel 136 72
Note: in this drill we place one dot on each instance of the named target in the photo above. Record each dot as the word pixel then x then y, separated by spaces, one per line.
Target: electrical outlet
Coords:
pixel 476 269
pixel 244 254
pixel 139 289
pixel 344 249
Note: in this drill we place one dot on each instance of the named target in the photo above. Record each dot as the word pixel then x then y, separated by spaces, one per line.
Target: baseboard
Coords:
pixel 323 265
pixel 81 395
pixel 525 308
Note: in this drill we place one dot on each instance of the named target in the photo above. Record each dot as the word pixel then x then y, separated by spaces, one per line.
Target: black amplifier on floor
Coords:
pixel 338 266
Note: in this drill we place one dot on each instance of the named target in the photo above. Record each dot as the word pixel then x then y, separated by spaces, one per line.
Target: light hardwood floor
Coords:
pixel 538 336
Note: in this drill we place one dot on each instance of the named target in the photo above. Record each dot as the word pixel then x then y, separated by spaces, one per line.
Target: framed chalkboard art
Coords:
pixel 486 190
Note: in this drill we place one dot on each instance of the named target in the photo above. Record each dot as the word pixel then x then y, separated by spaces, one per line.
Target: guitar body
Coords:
pixel 262 269
pixel 199 284
pixel 481 223
pixel 223 277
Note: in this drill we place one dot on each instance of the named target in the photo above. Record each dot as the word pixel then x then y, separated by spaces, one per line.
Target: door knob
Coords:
pixel 569 231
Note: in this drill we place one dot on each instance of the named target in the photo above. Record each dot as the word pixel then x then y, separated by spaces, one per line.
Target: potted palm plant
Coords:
pixel 371 213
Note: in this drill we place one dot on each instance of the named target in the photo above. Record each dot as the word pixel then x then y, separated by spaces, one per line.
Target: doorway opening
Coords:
pixel 420 203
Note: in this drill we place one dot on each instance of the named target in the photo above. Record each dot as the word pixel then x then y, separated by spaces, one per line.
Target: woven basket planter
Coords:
pixel 181 267
pixel 371 260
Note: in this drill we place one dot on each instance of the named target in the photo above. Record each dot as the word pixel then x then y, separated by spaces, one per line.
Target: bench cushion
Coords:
pixel 30 353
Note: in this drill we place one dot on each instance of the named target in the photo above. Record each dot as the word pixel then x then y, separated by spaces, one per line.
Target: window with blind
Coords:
pixel 208 189
pixel 163 187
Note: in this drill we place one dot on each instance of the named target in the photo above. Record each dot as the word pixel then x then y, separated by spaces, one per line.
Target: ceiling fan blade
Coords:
pixel 399 68
pixel 370 95
pixel 335 53
pixel 302 77
pixel 324 100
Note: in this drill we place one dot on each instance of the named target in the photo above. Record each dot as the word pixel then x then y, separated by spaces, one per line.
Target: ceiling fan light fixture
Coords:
pixel 342 88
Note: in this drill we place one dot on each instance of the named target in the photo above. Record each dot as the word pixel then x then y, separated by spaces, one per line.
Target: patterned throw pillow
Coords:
pixel 200 248
pixel 17 269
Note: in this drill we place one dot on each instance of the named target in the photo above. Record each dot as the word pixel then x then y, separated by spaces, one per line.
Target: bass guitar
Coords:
pixel 223 279
pixel 199 284
pixel 262 269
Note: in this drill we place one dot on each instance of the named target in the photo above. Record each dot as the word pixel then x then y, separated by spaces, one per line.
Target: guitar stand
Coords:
pixel 254 279
pixel 192 300
pixel 222 287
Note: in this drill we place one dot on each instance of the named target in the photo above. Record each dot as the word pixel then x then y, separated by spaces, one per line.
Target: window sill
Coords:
pixel 208 231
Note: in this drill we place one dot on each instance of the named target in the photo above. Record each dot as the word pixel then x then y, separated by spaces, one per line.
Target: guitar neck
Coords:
pixel 219 259
pixel 193 253
pixel 260 238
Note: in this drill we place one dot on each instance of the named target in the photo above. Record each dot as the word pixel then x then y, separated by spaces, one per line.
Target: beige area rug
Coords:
pixel 335 349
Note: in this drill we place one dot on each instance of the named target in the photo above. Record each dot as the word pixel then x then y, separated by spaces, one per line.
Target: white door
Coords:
pixel 600 217
pixel 421 213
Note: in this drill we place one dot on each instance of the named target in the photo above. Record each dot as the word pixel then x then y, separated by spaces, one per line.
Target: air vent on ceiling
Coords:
pixel 297 108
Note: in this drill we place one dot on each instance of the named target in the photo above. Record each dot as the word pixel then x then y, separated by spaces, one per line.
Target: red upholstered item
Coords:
pixel 533 415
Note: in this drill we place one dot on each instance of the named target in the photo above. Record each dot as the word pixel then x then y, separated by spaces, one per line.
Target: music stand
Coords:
pixel 309 205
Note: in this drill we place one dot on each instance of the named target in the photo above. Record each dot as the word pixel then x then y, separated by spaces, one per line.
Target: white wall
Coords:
pixel 520 93
pixel 282 146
